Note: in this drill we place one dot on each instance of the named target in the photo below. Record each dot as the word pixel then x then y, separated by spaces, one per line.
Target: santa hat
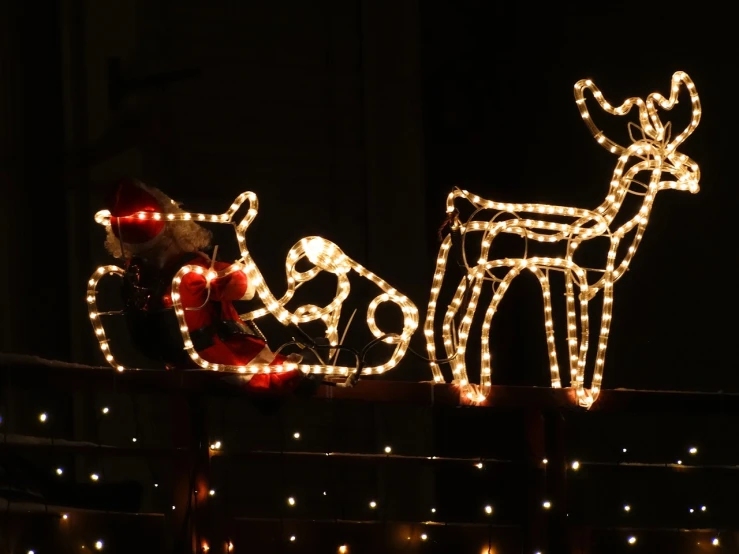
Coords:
pixel 128 198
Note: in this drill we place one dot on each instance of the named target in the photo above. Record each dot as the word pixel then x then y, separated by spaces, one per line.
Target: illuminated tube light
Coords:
pixel 323 254
pixel 653 153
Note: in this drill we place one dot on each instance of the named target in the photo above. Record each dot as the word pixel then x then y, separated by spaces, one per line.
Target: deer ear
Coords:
pixel 655 102
pixel 611 145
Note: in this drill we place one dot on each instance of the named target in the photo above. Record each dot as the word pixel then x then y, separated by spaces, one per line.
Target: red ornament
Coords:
pixel 128 199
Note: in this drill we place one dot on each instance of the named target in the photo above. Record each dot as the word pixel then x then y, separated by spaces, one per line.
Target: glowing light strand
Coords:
pixel 654 152
pixel 323 255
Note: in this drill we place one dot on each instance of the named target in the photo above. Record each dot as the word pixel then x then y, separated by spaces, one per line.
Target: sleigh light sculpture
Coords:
pixel 323 255
pixel 653 153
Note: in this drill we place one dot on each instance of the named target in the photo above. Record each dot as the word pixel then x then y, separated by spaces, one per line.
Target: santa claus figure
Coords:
pixel 153 252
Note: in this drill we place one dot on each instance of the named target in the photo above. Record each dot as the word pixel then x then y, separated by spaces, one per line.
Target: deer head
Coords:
pixel 652 134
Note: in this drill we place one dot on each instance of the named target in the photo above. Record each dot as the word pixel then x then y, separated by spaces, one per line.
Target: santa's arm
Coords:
pixel 232 286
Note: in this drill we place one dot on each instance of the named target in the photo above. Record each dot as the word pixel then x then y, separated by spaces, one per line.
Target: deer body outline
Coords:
pixel 655 153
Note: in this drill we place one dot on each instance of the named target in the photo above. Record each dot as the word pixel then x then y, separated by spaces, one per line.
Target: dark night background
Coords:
pixel 354 123
pixel 352 120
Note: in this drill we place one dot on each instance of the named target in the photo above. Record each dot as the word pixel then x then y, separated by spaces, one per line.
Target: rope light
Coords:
pixel 321 253
pixel 654 152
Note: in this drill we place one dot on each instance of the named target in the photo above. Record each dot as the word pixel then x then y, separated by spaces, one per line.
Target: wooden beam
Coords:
pixel 34 372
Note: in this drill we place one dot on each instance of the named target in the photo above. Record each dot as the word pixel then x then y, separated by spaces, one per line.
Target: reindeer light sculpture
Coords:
pixel 654 153
pixel 321 253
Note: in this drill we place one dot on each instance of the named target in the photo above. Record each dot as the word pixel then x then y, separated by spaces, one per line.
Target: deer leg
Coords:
pixel 428 327
pixel 591 395
pixel 479 393
pixel 585 294
pixel 572 340
pixel 543 277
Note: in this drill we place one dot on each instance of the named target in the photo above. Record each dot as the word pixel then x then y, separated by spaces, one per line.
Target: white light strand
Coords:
pixel 654 152
pixel 323 254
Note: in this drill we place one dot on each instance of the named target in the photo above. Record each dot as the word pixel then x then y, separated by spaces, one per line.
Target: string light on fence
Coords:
pixel 94 477
pixel 627 508
pixel 388 450
pixel 631 540
pixel 653 152
pixel 291 501
pixel 488 509
pixel 60 471
pixel 373 504
pixel 575 465
pixel 99 545
pixel 693 450
pixel 546 504
pixel 43 417
pixel 296 435
pixel 325 257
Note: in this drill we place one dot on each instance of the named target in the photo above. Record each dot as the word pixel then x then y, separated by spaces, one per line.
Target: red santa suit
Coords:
pixel 216 330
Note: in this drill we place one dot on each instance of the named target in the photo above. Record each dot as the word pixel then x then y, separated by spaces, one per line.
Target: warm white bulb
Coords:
pixel 575 465
pixel 433 510
pixel 627 508
pixel 313 249
pixel 388 450
pixel 488 509
pixel 632 540
pixel 59 471
pixel 424 536
pixel 292 538
pixel 479 465
pixel 373 504
pixel 106 410
pixel 693 450
pixel 94 476
pixel 546 504
pixel 715 542
pixel 212 492
pixel 134 439
pixel 343 549
pixel 98 545
pixel 545 461
pixel 291 501
pixel 296 435
pixel 43 417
